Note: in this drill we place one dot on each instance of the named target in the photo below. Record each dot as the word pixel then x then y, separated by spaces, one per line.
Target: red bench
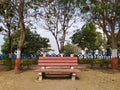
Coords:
pixel 57 65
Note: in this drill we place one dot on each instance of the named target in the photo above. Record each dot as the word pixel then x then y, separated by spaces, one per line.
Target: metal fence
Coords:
pixel 98 56
pixel 80 56
pixel 23 57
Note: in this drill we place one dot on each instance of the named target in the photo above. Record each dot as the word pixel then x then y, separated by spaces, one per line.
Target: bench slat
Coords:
pixel 58 70
pixel 57 64
pixel 58 58
pixel 57 61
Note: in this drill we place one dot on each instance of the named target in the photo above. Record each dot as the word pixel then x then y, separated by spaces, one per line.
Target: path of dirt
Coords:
pixel 89 79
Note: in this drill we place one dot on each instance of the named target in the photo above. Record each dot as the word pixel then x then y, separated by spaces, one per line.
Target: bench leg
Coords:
pixel 40 76
pixel 73 76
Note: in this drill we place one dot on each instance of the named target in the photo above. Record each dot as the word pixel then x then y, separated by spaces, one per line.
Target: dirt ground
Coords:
pixel 88 79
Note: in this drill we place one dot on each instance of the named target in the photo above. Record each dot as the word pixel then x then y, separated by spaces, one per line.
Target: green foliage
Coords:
pixel 6 9
pixel 9 64
pixel 87 37
pixel 58 16
pixel 101 62
pixel 33 43
pixel 25 64
pixel 69 48
pixel 106 14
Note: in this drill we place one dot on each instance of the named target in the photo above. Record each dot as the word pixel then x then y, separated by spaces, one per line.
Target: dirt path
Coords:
pixel 90 79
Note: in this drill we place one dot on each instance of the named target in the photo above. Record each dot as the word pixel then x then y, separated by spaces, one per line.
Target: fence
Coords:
pixel 23 57
pixel 98 56
pixel 80 56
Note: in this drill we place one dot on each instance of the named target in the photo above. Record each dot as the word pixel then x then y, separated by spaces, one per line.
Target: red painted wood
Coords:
pixel 57 64
pixel 58 58
pixel 58 70
pixel 57 61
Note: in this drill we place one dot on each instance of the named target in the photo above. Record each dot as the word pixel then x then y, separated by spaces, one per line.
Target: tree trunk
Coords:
pixel 113 41
pixel 22 35
pixel 10 54
pixel 114 59
pixel 114 64
pixel 17 61
pixel 10 48
pixel 20 44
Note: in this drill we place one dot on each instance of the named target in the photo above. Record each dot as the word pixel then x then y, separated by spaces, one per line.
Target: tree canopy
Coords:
pixel 32 45
pixel 87 37
pixel 106 14
pixel 57 16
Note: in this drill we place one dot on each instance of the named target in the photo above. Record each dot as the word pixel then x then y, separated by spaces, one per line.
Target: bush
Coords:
pixel 24 63
pixel 9 64
pixel 92 62
pixel 28 63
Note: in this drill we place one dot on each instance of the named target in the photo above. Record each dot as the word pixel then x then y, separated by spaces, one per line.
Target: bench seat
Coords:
pixel 57 65
pixel 58 70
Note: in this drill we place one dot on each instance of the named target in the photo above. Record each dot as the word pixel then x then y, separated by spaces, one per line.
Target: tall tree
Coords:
pixel 58 16
pixel 105 13
pixel 87 37
pixel 8 24
pixel 19 7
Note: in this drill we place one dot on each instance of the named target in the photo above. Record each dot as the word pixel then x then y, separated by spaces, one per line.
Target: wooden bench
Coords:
pixel 57 65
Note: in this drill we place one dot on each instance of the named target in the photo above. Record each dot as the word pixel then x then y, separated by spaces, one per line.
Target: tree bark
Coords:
pixel 114 64
pixel 22 35
pixel 112 38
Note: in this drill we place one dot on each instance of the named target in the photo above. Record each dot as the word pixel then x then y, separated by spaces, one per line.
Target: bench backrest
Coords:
pixel 57 61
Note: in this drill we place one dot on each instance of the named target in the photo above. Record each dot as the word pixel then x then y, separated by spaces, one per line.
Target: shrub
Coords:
pixel 28 63
pixel 92 62
pixel 9 64
pixel 24 63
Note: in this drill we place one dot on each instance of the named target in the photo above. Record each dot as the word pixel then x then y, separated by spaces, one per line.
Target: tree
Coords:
pixel 8 24
pixel 32 45
pixel 105 13
pixel 20 7
pixel 87 37
pixel 57 16
pixel 71 49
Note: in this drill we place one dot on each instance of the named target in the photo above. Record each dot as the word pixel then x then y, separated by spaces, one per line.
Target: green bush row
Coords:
pixel 92 62
pixel 24 63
